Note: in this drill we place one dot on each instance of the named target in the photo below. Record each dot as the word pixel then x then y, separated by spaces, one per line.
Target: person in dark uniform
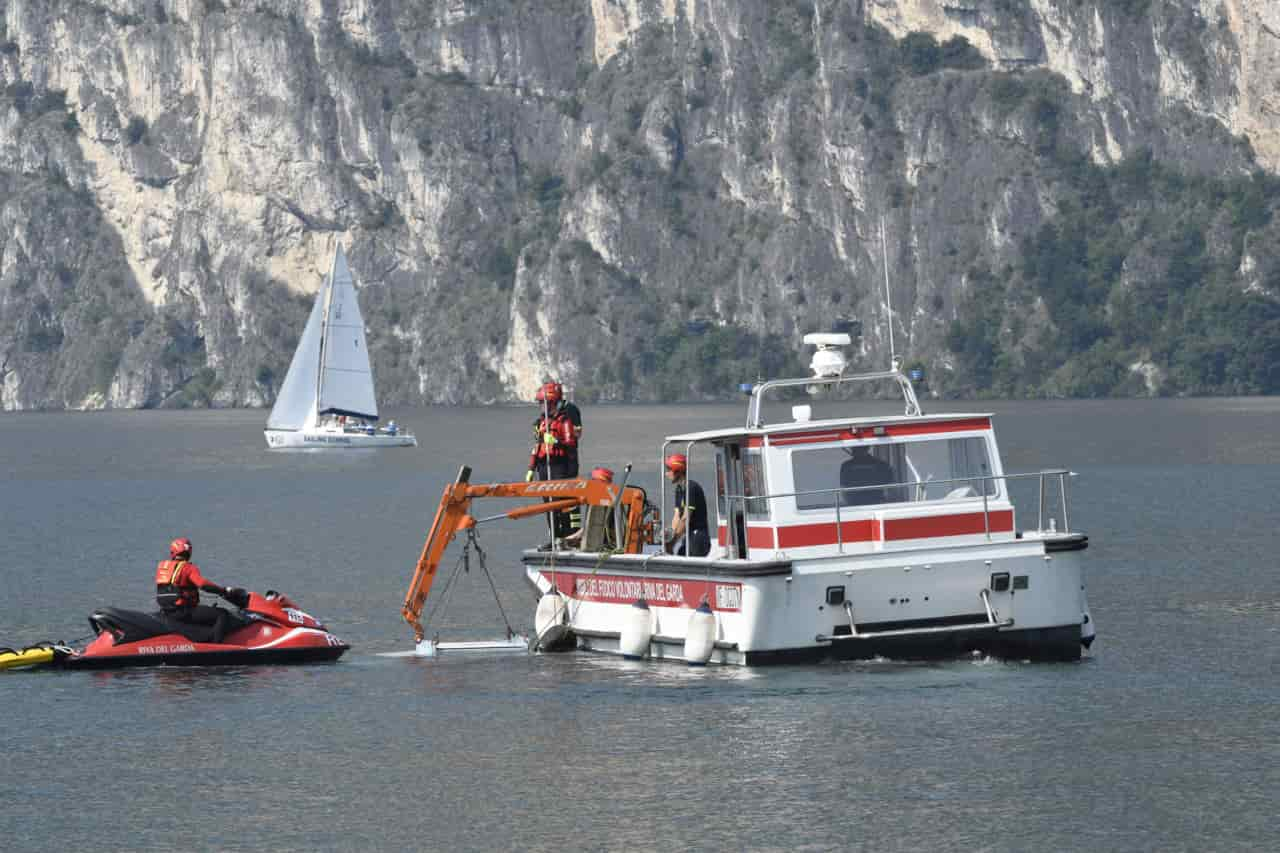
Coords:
pixel 574 415
pixel 690 533
pixel 863 468
pixel 178 585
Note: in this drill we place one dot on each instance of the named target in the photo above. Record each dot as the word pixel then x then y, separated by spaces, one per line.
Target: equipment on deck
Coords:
pixel 32 656
pixel 453 516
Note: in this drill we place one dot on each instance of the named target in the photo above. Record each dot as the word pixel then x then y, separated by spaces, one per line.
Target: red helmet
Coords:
pixel 677 463
pixel 604 475
pixel 180 547
pixel 550 392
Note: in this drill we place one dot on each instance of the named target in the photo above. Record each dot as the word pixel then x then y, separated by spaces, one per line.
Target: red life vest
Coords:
pixel 174 589
pixel 562 430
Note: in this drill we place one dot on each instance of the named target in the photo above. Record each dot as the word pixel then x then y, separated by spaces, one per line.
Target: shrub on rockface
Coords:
pixel 1193 316
pixel 136 130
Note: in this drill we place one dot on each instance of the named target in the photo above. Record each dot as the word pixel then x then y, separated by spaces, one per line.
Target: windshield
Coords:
pixel 910 471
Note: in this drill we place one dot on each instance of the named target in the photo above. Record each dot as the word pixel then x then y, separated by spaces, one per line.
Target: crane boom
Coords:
pixel 454 515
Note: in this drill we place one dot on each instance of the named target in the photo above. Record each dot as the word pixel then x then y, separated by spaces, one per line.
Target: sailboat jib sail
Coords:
pixel 295 402
pixel 346 380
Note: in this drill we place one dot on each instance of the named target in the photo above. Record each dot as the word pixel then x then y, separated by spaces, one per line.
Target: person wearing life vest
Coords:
pixel 690 534
pixel 556 435
pixel 178 585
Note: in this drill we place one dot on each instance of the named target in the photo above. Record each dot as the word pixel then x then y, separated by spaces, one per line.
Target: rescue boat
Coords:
pixel 819 554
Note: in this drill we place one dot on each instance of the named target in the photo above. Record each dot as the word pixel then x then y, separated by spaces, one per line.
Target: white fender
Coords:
pixel 637 630
pixel 700 636
pixel 551 620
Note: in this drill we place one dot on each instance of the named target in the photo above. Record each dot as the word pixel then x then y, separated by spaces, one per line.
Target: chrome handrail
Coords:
pixel 993 621
pixel 662 486
pixel 757 393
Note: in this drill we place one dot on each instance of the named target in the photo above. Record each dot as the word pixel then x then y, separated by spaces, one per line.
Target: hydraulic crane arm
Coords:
pixel 454 515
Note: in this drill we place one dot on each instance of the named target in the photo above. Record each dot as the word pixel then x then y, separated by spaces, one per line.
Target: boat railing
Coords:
pixel 755 407
pixel 1044 477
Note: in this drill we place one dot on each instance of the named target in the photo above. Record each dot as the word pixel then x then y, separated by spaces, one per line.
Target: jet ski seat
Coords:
pixel 132 625
pixel 128 625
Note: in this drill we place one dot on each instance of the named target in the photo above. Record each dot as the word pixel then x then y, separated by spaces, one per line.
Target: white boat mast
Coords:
pixel 888 300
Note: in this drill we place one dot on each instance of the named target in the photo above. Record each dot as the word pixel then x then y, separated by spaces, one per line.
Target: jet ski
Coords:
pixel 263 629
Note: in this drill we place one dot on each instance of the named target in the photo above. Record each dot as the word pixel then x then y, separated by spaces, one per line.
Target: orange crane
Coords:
pixel 453 516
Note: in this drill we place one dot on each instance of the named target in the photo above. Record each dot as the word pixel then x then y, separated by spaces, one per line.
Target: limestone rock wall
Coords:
pixel 533 189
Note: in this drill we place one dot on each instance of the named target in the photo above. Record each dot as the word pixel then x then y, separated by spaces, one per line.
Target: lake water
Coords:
pixel 1166 737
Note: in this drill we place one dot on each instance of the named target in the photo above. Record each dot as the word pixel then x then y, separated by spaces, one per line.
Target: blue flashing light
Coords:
pixel 746 387
pixel 916 374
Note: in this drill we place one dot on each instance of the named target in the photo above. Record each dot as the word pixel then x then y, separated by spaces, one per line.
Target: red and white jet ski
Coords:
pixel 266 629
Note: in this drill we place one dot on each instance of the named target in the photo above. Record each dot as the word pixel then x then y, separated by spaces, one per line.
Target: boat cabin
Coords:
pixel 858 485
pixel 852 485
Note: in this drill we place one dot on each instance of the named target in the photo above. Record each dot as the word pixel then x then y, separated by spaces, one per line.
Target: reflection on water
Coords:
pixel 186 681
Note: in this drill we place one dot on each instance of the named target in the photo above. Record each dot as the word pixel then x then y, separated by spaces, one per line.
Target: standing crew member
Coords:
pixel 689 521
pixel 555 450
pixel 178 585
pixel 550 398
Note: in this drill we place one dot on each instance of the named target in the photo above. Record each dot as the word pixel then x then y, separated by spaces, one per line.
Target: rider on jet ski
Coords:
pixel 178 585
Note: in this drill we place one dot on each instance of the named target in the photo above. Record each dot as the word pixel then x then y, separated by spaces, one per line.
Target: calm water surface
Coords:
pixel 1166 738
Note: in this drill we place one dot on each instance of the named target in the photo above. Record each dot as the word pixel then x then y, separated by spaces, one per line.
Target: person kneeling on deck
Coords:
pixel 689 521
pixel 596 532
pixel 555 450
pixel 178 585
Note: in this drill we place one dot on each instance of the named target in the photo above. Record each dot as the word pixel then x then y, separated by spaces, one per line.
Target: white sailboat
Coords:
pixel 327 398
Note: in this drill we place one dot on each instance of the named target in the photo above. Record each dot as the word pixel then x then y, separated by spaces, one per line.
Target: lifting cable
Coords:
pixel 474 541
pixel 446 593
pixel 464 565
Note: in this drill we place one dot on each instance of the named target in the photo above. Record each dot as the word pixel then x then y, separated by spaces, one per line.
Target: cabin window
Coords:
pixel 901 472
pixel 722 508
pixel 753 485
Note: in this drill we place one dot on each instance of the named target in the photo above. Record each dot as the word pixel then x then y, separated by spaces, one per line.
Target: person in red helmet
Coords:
pixel 690 534
pixel 178 585
pixel 557 436
pixel 555 408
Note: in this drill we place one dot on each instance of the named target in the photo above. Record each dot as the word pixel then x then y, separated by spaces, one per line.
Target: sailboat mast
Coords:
pixel 324 327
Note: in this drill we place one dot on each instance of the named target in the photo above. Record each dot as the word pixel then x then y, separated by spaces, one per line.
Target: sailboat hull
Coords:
pixel 322 439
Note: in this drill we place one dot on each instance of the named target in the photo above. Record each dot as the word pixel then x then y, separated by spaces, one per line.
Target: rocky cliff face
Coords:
pixel 556 188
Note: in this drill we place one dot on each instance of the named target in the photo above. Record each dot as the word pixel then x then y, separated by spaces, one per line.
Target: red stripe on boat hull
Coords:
pixel 873 530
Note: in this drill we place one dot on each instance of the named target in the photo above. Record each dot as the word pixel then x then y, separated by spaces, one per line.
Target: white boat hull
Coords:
pixel 932 603
pixel 321 439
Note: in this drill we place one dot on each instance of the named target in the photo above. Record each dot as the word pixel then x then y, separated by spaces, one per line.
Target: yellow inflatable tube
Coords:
pixel 32 656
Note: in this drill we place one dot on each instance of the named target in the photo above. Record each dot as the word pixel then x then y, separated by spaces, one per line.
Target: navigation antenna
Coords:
pixel 888 302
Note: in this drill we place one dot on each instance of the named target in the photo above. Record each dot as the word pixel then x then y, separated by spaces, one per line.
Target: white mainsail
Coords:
pixel 346 380
pixel 296 400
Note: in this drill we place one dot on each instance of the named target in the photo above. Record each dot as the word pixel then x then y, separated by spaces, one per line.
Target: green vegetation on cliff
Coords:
pixel 1141 269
